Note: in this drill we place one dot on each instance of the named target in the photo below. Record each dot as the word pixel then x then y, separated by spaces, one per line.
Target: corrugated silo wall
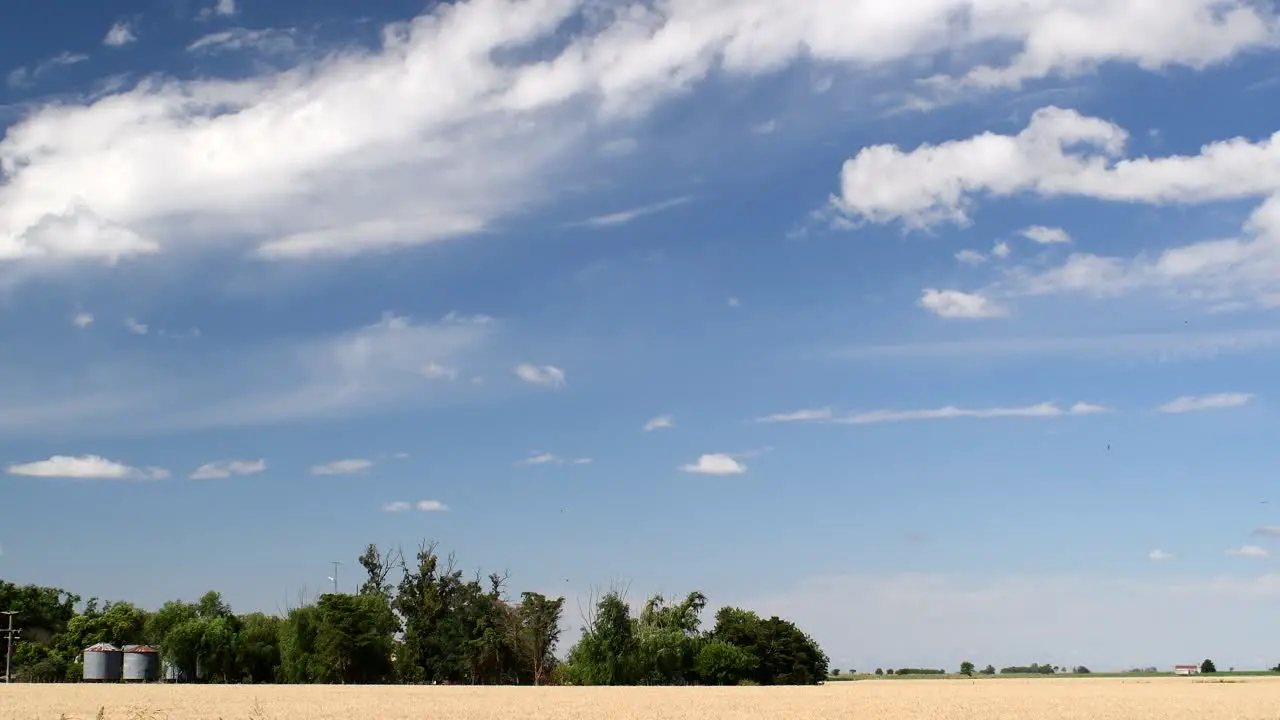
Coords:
pixel 103 665
pixel 141 663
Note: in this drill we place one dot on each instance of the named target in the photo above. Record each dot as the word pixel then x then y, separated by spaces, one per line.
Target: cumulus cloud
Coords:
pixel 1045 235
pixel 229 468
pixel 868 417
pixel 1197 403
pixel 119 35
pixel 448 135
pixel 971 257
pixel 1158 555
pixel 222 8
pixel 86 467
pixel 1252 551
pixel 135 327
pixel 955 304
pixel 715 464
pixel 548 375
pixel 1062 153
pixel 351 466
pixel 660 423
pixel 82 319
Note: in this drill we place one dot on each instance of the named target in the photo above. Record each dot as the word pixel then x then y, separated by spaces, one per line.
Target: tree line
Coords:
pixel 432 626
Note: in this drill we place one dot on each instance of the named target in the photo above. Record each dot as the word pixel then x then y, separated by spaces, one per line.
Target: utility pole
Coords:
pixel 335 564
pixel 10 634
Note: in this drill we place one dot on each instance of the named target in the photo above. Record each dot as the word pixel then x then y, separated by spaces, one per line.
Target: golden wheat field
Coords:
pixel 989 699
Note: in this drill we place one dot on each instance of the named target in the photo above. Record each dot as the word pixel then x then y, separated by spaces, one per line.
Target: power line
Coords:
pixel 11 634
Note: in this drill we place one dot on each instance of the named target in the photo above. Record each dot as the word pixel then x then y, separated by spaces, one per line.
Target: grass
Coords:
pixel 1062 698
pixel 846 677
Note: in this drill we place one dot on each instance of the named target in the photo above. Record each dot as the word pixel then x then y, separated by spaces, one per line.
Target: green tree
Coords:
pixel 879 671
pixel 966 668
pixel 539 631
pixel 257 648
pixel 722 663
pixel 1207 667
pixel 354 637
pixel 989 670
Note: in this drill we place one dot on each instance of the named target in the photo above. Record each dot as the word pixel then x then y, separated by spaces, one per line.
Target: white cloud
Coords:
pixel 971 257
pixel 436 371
pixel 1045 235
pixel 1039 410
pixel 229 468
pixel 135 327
pixel 540 458
pixel 956 304
pixel 1158 555
pixel 397 506
pixel 1064 153
pixel 625 216
pixel 82 320
pixel 1193 403
pixel 119 35
pixel 548 375
pixel 352 466
pixel 1001 250
pixel 1107 623
pixel 582 461
pixel 733 302
pixel 715 464
pixel 225 7
pixel 88 467
pixel 437 133
pixel 266 41
pixel 816 415
pixel 1249 551
pixel 659 423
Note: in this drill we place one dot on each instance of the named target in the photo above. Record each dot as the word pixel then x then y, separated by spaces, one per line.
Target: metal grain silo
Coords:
pixel 141 663
pixel 103 663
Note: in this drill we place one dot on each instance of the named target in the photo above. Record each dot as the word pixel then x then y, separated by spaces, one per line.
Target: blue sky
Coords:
pixel 961 314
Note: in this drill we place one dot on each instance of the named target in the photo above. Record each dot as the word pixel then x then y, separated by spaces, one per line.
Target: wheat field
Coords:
pixel 988 699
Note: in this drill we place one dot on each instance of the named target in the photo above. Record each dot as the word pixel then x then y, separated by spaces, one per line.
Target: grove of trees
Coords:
pixel 432 626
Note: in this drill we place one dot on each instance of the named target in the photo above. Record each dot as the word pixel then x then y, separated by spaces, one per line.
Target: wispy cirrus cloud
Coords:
pixel 1251 551
pixel 1199 403
pixel 229 468
pixel 660 422
pixel 24 77
pixel 1152 347
pixel 625 216
pixel 399 506
pixel 140 390
pixel 350 466
pixel 265 41
pixel 949 412
pixel 546 375
pixel 540 458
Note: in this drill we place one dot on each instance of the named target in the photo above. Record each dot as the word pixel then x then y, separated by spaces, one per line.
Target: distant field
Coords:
pixel 1065 676
pixel 1239 698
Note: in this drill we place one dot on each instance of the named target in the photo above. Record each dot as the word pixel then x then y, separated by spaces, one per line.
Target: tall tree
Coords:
pixel 540 619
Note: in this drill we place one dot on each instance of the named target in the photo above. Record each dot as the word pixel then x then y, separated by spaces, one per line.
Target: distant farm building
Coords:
pixel 1186 669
